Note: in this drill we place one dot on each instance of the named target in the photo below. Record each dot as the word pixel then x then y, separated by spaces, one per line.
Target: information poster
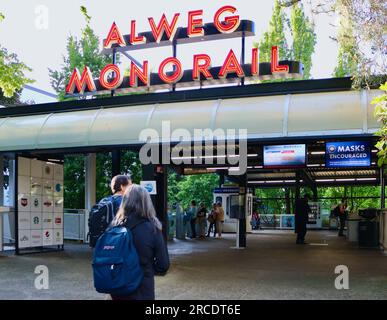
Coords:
pixel 40 203
pixel 348 154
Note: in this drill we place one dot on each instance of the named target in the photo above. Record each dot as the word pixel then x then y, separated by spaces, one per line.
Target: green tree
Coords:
pixel 302 34
pixel 304 38
pixel 380 103
pixel 275 36
pixel 12 75
pixel 194 187
pixel 80 53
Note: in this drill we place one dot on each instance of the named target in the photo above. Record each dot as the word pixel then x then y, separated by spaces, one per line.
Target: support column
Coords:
pixel 1 180
pixel 159 174
pixel 116 162
pixel 382 189
pixel 241 239
pixel 287 200
pixel 221 179
pixel 90 186
pixel 297 189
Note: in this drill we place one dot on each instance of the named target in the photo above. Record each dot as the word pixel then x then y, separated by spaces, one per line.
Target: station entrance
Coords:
pixel 295 122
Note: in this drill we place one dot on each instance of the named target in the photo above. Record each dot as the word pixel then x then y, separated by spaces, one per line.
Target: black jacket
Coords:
pixel 153 255
pixel 302 210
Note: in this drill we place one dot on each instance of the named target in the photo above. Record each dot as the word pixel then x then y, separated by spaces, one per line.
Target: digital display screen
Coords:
pixel 284 156
pixel 347 154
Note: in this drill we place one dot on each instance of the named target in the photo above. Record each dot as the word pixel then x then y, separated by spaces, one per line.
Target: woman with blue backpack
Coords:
pixel 132 250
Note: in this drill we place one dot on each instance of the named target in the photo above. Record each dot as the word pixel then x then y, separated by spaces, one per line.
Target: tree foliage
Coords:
pixel 274 36
pixel 12 74
pixel 80 53
pixel 74 176
pixel 184 189
pixel 380 103
pixel 303 38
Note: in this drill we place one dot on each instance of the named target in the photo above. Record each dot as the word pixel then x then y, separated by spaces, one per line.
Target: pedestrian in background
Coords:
pixel 302 211
pixel 192 211
pixel 342 216
pixel 212 221
pixel 219 219
pixel 201 220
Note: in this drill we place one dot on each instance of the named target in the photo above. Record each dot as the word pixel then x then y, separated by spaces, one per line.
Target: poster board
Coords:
pixel 39 203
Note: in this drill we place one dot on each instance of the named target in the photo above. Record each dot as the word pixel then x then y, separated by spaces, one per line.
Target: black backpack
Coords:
pixel 100 217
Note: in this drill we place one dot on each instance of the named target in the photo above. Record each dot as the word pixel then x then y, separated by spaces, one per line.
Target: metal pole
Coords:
pixel 243 50
pixel 382 189
pixel 116 162
pixel 90 188
pixel 14 191
pixel 1 180
pixel 114 62
pixel 174 49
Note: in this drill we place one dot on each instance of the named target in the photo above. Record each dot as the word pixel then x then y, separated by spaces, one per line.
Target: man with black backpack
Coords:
pixel 104 212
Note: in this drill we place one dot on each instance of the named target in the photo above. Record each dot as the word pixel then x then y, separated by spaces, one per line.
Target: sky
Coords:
pixel 37 30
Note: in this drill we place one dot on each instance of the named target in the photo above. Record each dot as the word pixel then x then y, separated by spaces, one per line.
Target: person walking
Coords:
pixel 219 219
pixel 192 211
pixel 212 221
pixel 138 214
pixel 201 220
pixel 302 210
pixel 342 216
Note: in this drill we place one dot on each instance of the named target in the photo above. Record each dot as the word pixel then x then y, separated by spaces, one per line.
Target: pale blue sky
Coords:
pixel 43 48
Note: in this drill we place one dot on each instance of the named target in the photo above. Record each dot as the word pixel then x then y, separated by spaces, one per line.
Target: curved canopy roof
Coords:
pixel 293 115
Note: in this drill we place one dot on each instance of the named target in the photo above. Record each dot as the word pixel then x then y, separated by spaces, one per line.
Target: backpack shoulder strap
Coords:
pixel 134 224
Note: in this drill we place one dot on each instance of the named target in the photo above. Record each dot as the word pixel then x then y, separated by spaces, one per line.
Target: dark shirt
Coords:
pixel 153 254
pixel 117 199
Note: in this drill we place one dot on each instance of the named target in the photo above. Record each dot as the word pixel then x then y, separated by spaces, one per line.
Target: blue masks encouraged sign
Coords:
pixel 348 154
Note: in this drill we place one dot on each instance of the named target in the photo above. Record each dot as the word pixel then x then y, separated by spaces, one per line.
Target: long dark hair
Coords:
pixel 136 200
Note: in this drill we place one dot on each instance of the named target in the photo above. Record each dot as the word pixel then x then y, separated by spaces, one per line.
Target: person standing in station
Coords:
pixel 201 220
pixel 212 220
pixel 302 211
pixel 192 211
pixel 118 185
pixel 342 216
pixel 219 219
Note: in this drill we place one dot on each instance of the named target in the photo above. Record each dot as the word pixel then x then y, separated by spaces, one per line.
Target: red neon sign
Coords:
pixel 164 26
pixel 176 76
pixel 114 37
pixel 81 82
pixel 225 21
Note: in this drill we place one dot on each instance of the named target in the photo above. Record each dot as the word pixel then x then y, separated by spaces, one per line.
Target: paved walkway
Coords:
pixel 272 267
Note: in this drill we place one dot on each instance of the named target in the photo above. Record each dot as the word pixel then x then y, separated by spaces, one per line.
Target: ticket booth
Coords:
pixel 229 198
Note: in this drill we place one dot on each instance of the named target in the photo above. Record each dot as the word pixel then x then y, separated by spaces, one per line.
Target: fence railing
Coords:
pixel 75 224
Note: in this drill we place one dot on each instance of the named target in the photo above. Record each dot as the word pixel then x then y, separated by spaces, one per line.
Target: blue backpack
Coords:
pixel 116 265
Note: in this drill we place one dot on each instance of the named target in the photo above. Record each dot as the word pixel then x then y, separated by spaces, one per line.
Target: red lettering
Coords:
pixel 176 76
pixel 81 81
pixel 255 62
pixel 230 24
pixel 199 68
pixel 136 73
pixel 115 82
pixel 133 38
pixel 275 67
pixel 114 37
pixel 195 26
pixel 231 65
pixel 164 26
